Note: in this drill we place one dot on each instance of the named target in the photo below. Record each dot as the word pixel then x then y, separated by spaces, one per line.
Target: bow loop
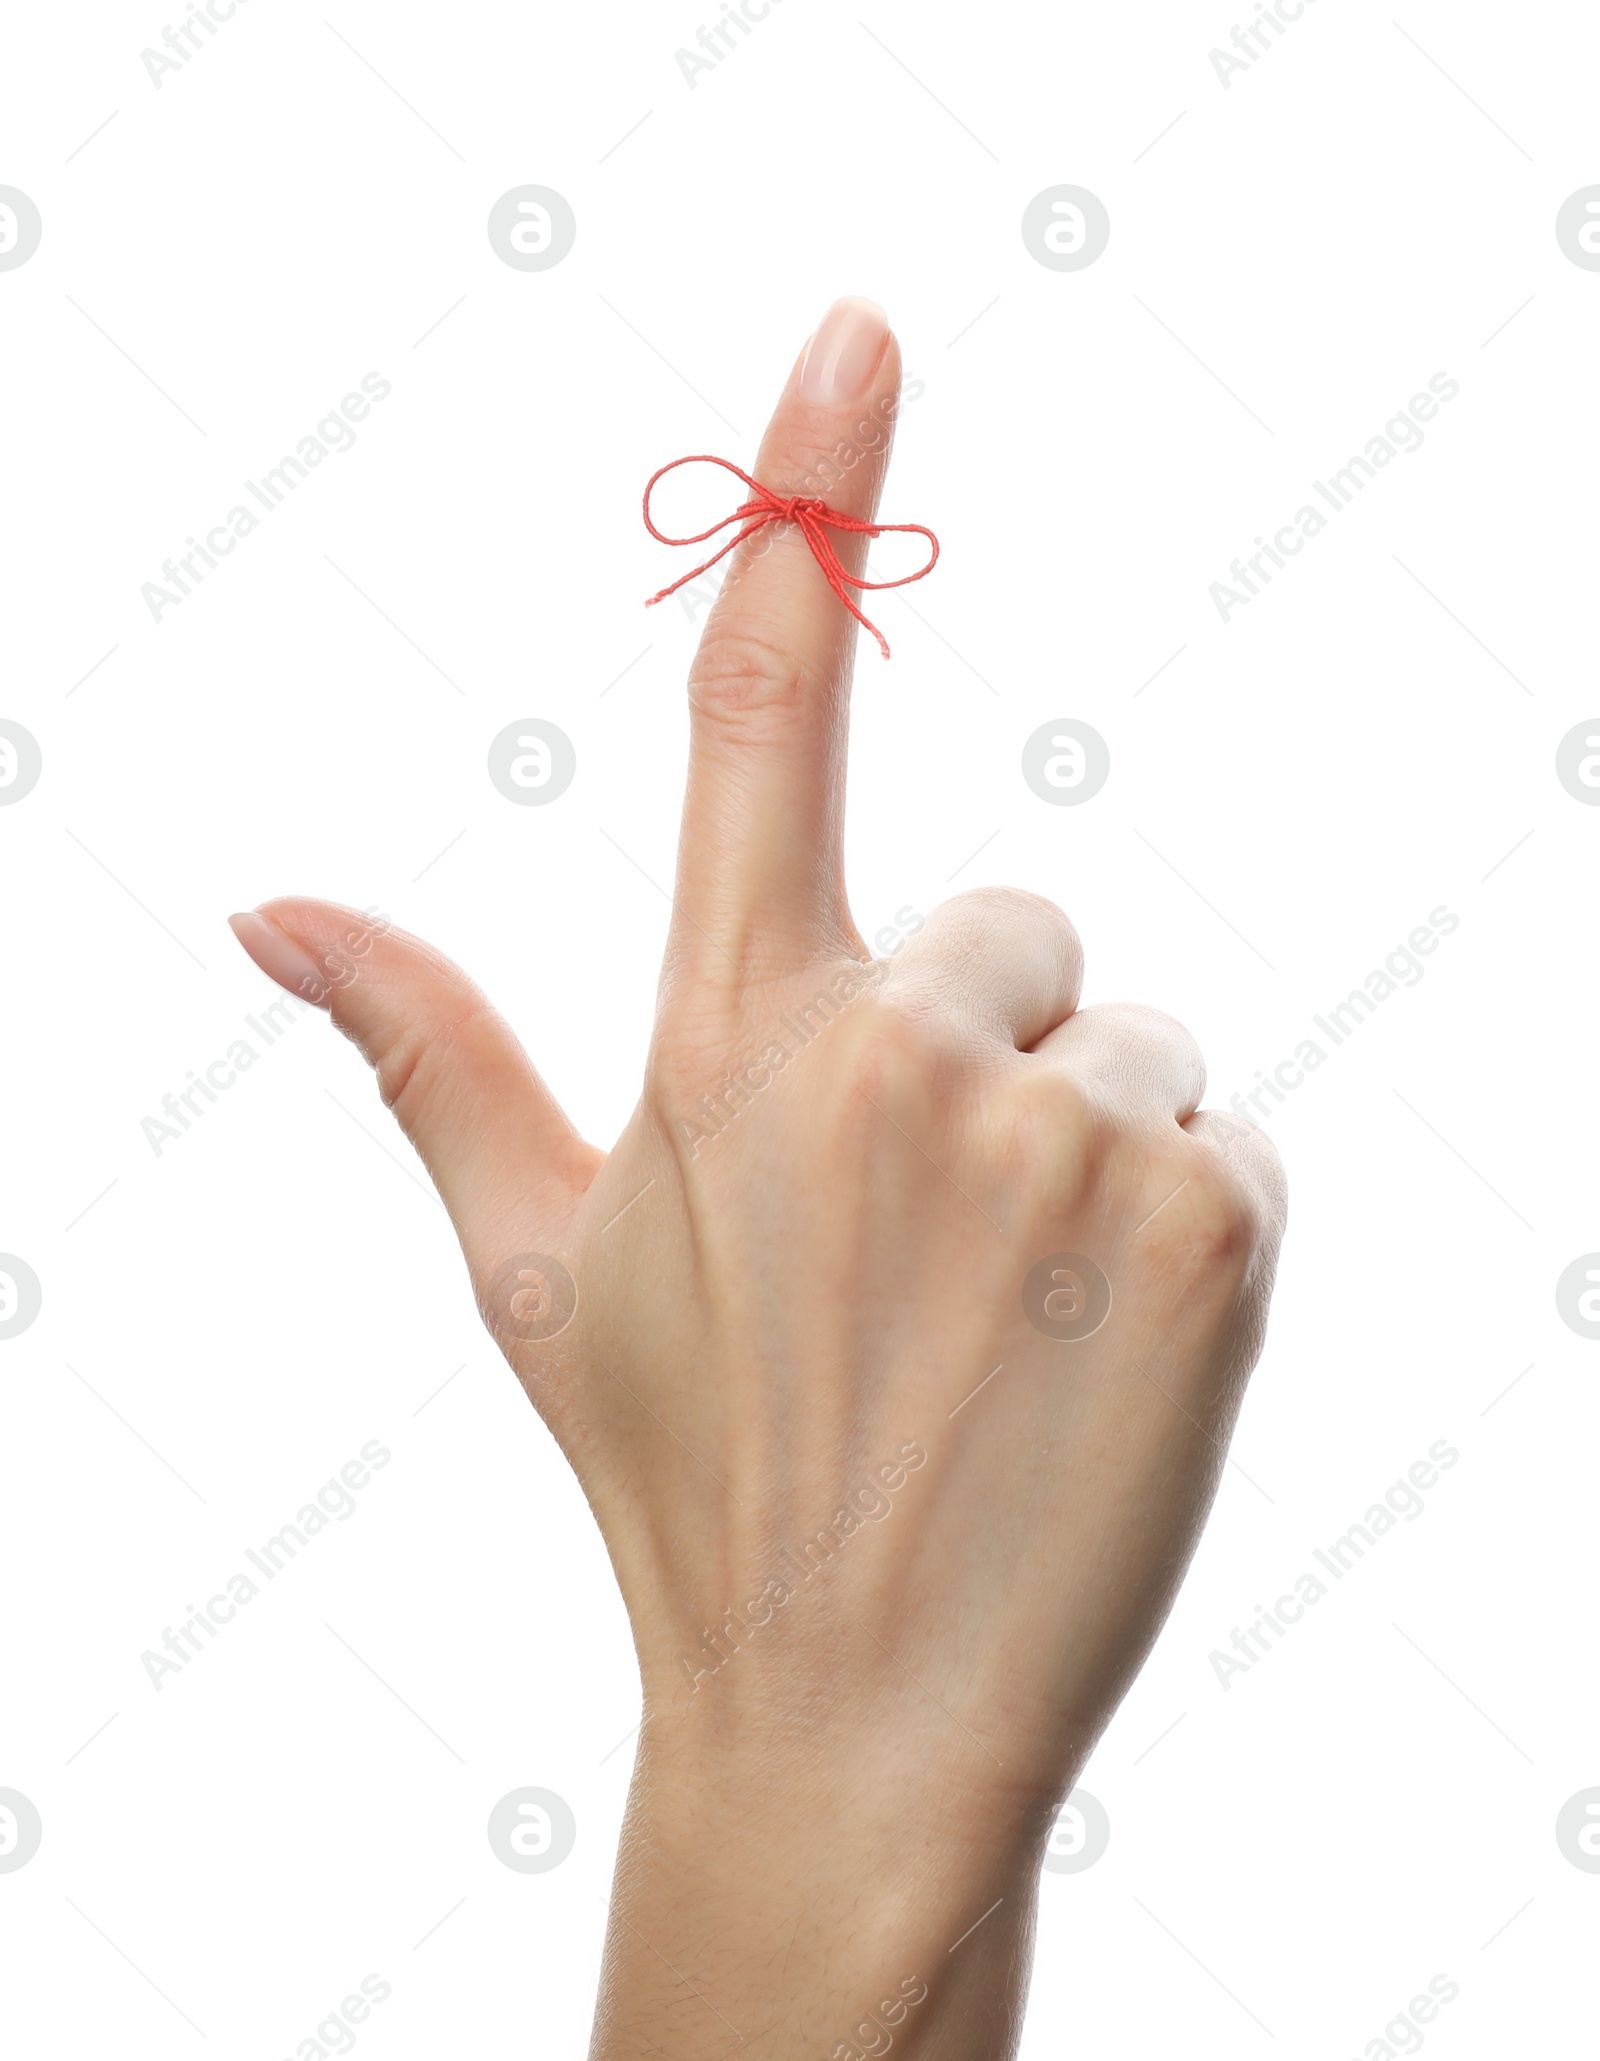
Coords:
pixel 811 516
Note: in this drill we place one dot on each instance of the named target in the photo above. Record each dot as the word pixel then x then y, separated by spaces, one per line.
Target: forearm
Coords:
pixel 814 1906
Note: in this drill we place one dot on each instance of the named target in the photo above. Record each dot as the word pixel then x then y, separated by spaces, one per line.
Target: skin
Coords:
pixel 775 1316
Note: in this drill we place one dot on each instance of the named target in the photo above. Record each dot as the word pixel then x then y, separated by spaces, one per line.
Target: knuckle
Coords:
pixel 417 1064
pixel 1204 1220
pixel 1138 1021
pixel 1059 1133
pixel 1003 900
pixel 1250 1155
pixel 1145 1044
pixel 1025 939
pixel 1258 1153
pixel 740 678
pixel 1225 1221
pixel 980 909
pixel 1258 1165
pixel 904 1048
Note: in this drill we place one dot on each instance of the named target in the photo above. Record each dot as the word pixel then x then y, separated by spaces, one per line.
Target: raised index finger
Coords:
pixel 760 874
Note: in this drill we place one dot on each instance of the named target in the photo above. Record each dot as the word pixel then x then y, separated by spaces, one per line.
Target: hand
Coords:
pixel 912 1311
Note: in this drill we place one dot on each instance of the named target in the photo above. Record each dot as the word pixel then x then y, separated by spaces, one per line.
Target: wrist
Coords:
pixel 815 1901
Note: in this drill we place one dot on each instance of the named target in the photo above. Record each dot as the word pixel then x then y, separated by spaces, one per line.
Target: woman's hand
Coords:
pixel 896 1344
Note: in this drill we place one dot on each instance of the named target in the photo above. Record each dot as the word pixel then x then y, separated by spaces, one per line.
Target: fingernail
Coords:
pixel 279 957
pixel 845 352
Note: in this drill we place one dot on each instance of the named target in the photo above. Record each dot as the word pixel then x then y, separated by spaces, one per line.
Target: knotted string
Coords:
pixel 812 517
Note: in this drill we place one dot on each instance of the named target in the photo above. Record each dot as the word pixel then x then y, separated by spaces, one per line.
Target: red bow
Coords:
pixel 815 518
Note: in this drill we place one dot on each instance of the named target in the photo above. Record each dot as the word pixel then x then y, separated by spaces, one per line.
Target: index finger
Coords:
pixel 760 870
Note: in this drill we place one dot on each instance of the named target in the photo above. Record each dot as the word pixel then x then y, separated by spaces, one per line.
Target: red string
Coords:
pixel 814 519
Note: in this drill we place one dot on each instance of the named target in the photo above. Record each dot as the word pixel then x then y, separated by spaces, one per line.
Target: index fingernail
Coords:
pixel 845 352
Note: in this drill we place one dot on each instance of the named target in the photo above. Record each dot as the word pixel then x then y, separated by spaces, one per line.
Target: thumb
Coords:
pixel 505 1160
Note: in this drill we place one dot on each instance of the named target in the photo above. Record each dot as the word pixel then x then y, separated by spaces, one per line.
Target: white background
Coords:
pixel 1374 1803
